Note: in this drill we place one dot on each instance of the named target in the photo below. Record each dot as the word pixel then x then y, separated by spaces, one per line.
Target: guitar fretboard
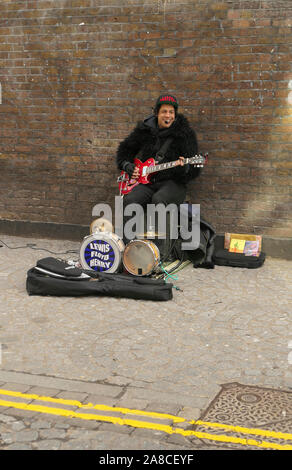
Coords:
pixel 164 166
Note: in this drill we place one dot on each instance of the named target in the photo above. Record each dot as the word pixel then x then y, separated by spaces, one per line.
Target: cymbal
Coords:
pixel 151 234
pixel 101 225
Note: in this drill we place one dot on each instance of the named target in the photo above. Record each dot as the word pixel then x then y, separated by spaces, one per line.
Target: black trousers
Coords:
pixel 163 192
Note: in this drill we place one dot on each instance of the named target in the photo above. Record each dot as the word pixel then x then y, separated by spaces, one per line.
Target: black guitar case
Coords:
pixel 57 278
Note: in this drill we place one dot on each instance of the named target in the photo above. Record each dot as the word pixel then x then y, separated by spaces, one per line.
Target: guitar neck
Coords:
pixel 164 166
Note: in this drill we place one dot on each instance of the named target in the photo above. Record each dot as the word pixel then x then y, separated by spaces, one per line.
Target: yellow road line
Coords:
pixel 62 401
pixel 244 430
pixel 152 414
pixel 144 424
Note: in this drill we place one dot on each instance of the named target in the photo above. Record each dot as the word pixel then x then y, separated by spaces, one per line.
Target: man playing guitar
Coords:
pixel 166 136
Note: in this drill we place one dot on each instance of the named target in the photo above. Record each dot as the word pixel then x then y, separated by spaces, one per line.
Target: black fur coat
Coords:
pixel 147 139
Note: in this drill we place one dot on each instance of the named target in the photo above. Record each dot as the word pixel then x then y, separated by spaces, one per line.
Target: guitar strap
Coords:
pixel 161 153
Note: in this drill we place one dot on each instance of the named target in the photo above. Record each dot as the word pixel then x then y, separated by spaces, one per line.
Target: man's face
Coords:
pixel 166 116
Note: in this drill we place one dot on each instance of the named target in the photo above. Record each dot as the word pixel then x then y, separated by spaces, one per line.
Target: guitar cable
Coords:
pixel 166 274
pixel 33 246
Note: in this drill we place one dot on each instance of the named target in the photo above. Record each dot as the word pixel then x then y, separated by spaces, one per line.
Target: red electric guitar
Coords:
pixel 149 167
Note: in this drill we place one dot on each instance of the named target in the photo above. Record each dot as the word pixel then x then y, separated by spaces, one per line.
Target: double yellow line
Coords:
pixel 156 426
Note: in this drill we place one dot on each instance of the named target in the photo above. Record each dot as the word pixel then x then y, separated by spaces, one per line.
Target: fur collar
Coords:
pixel 180 128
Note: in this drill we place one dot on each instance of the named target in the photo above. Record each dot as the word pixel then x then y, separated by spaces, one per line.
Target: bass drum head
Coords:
pixel 141 257
pixel 102 252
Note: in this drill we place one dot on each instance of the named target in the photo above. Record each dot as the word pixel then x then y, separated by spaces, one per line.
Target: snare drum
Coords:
pixel 102 251
pixel 141 257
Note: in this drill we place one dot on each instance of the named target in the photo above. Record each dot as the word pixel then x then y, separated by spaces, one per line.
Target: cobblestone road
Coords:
pixel 228 325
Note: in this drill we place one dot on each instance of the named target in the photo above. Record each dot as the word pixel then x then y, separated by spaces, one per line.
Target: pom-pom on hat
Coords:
pixel 166 99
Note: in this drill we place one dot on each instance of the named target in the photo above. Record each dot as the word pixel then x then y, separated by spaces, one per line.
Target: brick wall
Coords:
pixel 76 75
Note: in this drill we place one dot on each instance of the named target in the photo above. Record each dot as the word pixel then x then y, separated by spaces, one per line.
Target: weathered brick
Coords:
pixel 78 76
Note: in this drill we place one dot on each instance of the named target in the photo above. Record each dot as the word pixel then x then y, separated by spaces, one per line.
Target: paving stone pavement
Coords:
pixel 228 325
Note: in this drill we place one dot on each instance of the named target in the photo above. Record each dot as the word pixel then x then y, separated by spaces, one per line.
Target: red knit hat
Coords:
pixel 166 99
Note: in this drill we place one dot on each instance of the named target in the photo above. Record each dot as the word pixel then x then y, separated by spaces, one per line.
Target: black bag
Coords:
pixel 41 281
pixel 58 268
pixel 223 257
pixel 201 257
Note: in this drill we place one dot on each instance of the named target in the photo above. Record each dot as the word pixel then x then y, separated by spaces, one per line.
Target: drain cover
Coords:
pixel 250 408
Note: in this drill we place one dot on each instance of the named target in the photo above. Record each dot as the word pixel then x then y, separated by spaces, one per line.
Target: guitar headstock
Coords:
pixel 198 160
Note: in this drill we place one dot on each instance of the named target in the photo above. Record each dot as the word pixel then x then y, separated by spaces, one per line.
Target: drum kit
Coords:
pixel 104 251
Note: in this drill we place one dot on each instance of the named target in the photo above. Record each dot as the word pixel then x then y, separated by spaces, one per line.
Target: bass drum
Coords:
pixel 141 257
pixel 102 252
